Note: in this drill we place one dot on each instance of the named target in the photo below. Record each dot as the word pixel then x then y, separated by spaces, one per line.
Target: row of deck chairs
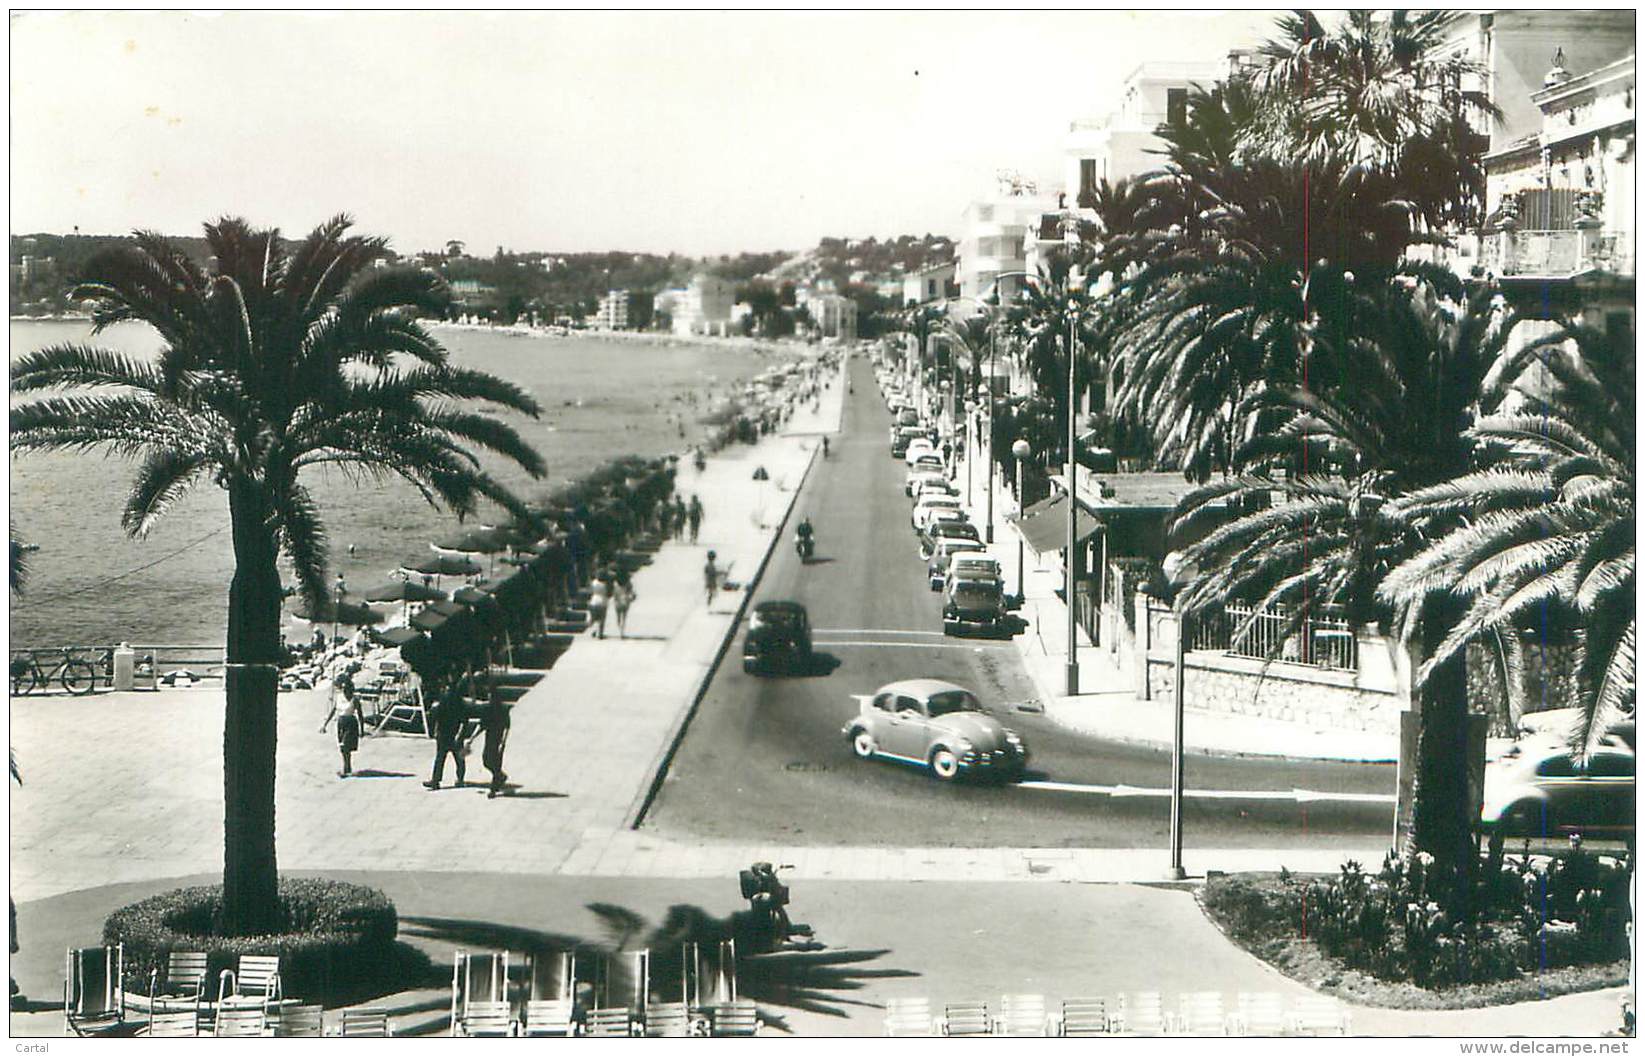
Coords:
pixel 1199 1013
pixel 632 994
pixel 249 1000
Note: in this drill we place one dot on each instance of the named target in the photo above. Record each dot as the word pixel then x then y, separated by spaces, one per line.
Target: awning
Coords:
pixel 1044 526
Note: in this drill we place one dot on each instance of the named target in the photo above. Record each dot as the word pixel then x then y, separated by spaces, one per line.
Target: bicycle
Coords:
pixel 74 674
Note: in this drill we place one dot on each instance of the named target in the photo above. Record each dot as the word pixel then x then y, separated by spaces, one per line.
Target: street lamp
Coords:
pixel 1179 573
pixel 337 609
pixel 985 398
pixel 1021 450
pixel 1072 668
pixel 970 446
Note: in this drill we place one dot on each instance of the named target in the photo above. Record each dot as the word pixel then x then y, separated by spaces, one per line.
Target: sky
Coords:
pixel 693 132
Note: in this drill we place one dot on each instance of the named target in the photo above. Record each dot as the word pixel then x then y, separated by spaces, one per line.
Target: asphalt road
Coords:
pixel 764 757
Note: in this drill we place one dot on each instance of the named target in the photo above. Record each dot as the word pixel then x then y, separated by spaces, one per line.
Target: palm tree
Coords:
pixel 1319 519
pixel 1040 322
pixel 278 359
pixel 1547 526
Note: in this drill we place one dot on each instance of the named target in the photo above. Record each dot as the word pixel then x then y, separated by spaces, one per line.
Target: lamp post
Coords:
pixel 970 446
pixel 1178 573
pixel 1021 450
pixel 1071 670
pixel 337 609
pixel 985 399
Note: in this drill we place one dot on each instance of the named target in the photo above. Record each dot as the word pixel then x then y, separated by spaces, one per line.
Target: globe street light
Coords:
pixel 1022 450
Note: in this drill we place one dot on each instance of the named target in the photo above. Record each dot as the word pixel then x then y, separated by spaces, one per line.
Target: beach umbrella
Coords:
pixel 404 591
pixel 345 610
pixel 472 596
pixel 474 541
pixel 443 565
pixel 395 636
pixel 434 614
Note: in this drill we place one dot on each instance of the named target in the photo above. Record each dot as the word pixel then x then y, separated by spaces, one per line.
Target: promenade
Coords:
pixel 122 798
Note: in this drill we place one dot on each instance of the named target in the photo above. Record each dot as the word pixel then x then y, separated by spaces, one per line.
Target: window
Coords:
pixel 1555 767
pixel 953 701
pixel 1088 183
pixel 883 703
pixel 1176 105
pixel 1611 765
pixel 907 704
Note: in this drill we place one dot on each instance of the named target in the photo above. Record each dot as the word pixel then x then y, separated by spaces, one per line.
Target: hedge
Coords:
pixel 335 934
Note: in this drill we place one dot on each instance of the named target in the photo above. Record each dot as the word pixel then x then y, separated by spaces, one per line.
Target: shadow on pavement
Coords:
pixel 373 773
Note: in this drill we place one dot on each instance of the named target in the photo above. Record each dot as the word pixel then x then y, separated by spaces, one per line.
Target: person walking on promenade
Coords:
pixel 679 518
pixel 348 720
pixel 449 715
pixel 599 597
pixel 495 725
pixel 711 577
pixel 694 513
pixel 622 596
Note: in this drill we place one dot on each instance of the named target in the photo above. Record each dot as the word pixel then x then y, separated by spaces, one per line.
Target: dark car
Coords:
pixel 938 530
pixel 778 637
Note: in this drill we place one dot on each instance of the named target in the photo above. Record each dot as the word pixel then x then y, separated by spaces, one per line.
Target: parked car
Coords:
pixel 935 483
pixel 908 417
pixel 975 567
pixel 918 445
pixel 924 465
pixel 778 638
pixel 937 725
pixel 927 504
pixel 953 528
pixel 1538 789
pixel 936 567
pixel 970 602
pixel 905 436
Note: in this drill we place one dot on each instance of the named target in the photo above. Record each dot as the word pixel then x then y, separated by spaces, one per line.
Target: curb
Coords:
pixel 659 768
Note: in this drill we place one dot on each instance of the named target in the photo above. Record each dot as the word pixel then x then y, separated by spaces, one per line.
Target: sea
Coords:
pixel 90 584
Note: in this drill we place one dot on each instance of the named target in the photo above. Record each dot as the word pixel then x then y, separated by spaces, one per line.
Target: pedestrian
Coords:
pixel 348 720
pixel 679 518
pixel 694 514
pixel 622 596
pixel 319 646
pixel 599 596
pixel 449 716
pixel 711 577
pixel 495 725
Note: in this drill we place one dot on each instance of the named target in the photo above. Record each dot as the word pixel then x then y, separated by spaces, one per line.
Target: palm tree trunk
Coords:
pixel 250 874
pixel 1442 823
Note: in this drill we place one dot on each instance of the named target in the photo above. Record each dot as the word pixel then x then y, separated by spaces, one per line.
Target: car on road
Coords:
pixel 926 464
pixel 971 602
pixel 936 566
pixel 778 638
pixel 917 446
pixel 927 504
pixel 931 482
pixel 954 528
pixel 937 725
pixel 1538 788
pixel 975 567
pixel 907 435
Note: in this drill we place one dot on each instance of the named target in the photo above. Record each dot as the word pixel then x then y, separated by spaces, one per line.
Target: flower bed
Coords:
pixel 334 934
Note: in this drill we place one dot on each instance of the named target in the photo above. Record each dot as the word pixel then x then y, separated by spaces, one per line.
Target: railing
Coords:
pixel 1556 253
pixel 1323 640
pixel 163 665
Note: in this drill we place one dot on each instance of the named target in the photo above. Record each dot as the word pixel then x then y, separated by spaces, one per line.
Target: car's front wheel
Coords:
pixel 945 766
pixel 862 743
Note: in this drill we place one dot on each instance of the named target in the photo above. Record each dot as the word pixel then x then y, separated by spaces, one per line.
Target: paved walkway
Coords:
pixel 107 815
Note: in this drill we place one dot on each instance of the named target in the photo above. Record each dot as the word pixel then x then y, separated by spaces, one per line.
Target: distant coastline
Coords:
pixel 642 337
pixel 60 317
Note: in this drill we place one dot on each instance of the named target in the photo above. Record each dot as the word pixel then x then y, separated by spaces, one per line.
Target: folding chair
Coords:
pixel 667 1020
pixel 1083 1018
pixel 364 1024
pixel 245 1022
pixel 1318 1015
pixel 174 1024
pixel 485 1020
pixel 93 1001
pixel 610 1023
pixel 909 1018
pixel 481 977
pixel 1142 1013
pixel 738 1019
pixel 1260 1013
pixel 966 1018
pixel 1022 1016
pixel 181 983
pixel 622 988
pixel 550 1007
pixel 297 1022
pixel 255 981
pixel 1200 1013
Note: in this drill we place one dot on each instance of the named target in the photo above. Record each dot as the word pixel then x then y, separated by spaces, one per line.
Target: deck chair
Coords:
pixel 711 974
pixel 667 1020
pixel 93 1001
pixel 1083 1018
pixel 173 1024
pixel 1142 1013
pixel 1022 1016
pixel 297 1022
pixel 737 1019
pixel 1260 1013
pixel 245 1022
pixel 909 1018
pixel 255 981
pixel 1318 1015
pixel 1200 1013
pixel 966 1018
pixel 182 982
pixel 365 1024
pixel 477 977
pixel 622 990
pixel 610 1023
pixel 550 1006
pixel 485 1020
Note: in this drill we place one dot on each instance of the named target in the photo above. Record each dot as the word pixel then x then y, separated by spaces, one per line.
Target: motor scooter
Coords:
pixel 804 546
pixel 767 899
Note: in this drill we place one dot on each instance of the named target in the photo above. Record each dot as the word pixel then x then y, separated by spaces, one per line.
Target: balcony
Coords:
pixel 1560 254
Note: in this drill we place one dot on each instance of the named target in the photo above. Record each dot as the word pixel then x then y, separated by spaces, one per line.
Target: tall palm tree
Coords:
pixel 1548 524
pixel 1318 521
pixel 1047 312
pixel 277 359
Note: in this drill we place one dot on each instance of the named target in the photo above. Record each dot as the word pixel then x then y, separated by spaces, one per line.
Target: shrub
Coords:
pixel 334 933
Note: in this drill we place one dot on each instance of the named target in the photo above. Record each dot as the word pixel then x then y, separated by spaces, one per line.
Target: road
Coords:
pixel 764 757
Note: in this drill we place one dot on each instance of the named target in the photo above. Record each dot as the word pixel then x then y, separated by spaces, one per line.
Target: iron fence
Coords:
pixel 1323 639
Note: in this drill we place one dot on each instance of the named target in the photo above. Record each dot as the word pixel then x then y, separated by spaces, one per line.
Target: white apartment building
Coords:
pixel 927 285
pixel 995 241
pixel 1122 143
pixel 835 315
pixel 613 314
pixel 704 307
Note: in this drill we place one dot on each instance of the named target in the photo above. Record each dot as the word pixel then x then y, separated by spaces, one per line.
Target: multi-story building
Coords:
pixel 1122 143
pixel 704 307
pixel 613 314
pixel 995 239
pixel 835 315
pixel 931 284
